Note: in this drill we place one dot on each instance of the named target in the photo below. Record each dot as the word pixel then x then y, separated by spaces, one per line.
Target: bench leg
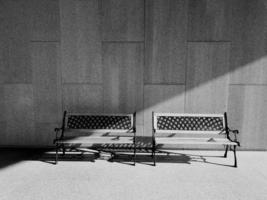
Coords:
pixel 154 158
pixel 134 157
pixel 226 149
pixel 234 150
pixel 56 158
pixel 134 154
pixel 63 150
pixel 154 155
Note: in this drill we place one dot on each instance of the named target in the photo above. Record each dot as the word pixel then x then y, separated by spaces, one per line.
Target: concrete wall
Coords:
pixel 206 56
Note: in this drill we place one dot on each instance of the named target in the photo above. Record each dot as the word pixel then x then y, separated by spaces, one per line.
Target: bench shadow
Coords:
pixel 193 155
pixel 123 156
pixel 199 158
pixel 49 157
pixel 148 160
pixel 213 163
pixel 115 156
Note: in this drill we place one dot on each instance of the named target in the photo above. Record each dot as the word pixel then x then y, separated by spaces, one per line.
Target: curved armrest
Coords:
pixel 235 132
pixel 57 131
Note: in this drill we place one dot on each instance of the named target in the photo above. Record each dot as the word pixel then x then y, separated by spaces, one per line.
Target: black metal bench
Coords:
pixel 199 129
pixel 90 129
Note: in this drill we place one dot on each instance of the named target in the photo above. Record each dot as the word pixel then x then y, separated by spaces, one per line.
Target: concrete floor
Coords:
pixel 186 175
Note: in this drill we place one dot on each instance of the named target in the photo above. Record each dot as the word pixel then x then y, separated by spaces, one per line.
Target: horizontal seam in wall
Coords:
pixel 44 41
pixel 147 84
pixel 248 84
pixel 123 41
pixel 82 83
pixel 19 83
pixel 209 41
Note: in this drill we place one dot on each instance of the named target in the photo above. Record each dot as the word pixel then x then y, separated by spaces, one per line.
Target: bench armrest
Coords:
pixel 234 132
pixel 153 138
pixel 57 130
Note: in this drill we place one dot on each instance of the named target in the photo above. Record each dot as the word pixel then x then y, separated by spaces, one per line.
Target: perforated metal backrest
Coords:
pixel 185 123
pixel 105 122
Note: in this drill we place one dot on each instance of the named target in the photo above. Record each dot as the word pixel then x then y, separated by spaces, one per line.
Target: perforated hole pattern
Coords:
pixel 190 123
pixel 99 122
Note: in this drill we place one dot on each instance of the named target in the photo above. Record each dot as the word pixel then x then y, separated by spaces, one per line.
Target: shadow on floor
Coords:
pixel 147 159
pixel 124 156
pixel 12 156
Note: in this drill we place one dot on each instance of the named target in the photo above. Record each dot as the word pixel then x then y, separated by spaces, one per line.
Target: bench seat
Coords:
pixel 102 132
pixel 95 140
pixel 204 141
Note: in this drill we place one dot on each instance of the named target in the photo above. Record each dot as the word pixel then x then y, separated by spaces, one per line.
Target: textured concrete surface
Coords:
pixel 32 175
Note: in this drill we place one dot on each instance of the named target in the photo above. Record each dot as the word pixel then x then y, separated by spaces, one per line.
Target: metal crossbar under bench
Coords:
pixel 90 129
pixel 167 127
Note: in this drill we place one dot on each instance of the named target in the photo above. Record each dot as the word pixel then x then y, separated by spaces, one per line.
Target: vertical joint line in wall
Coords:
pixel 144 66
pixel 59 64
pixel 185 82
pixel 144 52
pixel 100 28
pixel 59 56
pixel 228 75
pixel 144 17
pixel 102 74
pixel 61 76
pixel 186 58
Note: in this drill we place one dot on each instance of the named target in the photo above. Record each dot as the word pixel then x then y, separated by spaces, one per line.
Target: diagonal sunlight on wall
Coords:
pixel 247 103
pixel 240 92
pixel 253 72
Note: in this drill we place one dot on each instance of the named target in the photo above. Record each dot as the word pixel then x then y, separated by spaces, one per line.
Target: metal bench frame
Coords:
pixel 61 140
pixel 231 144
